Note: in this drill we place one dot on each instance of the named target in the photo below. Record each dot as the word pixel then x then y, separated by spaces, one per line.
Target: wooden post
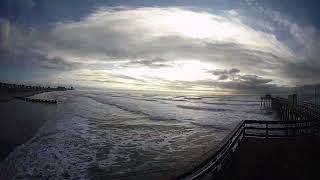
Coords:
pixel 315 95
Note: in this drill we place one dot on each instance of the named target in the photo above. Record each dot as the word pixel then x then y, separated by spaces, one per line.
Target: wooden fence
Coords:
pixel 251 128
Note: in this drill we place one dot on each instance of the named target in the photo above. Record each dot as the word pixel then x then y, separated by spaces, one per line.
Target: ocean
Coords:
pixel 127 135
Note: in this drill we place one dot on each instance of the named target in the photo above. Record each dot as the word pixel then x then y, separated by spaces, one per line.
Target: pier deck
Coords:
pixel 259 159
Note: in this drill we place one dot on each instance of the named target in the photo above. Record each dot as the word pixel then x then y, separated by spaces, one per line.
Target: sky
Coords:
pixel 221 46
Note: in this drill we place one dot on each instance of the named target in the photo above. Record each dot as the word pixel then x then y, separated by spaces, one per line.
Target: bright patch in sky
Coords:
pixel 142 36
pixel 203 25
pixel 178 71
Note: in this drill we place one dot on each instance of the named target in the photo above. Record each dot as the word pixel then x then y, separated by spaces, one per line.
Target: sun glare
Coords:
pixel 185 71
pixel 192 24
pixel 188 24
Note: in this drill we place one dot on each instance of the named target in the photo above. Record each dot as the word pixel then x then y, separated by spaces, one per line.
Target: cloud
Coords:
pixel 234 71
pixel 54 63
pixel 141 36
pixel 155 39
pixel 228 80
pixel 153 63
pixel 4 34
pixel 17 6
pixel 304 40
pixel 240 84
pixel 306 72
pixel 253 79
pixel 223 77
pixel 224 72
pixel 116 33
pixel 19 47
pixel 235 77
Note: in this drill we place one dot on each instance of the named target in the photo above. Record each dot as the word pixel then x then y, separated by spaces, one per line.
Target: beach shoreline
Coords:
pixel 20 120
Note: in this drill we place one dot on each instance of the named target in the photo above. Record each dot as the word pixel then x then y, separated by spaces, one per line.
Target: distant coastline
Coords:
pixel 9 91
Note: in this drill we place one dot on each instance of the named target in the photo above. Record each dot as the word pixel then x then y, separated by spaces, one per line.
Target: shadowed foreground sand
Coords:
pixel 20 120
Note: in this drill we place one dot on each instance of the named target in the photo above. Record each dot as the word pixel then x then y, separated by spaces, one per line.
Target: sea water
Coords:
pixel 128 135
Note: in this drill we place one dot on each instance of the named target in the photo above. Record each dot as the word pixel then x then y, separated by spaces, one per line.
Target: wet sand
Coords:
pixel 20 120
pixel 7 95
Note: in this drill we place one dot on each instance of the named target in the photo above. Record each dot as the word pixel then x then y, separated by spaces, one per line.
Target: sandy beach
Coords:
pixel 20 120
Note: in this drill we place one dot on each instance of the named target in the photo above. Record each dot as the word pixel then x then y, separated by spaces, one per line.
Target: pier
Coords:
pixel 291 109
pixel 255 149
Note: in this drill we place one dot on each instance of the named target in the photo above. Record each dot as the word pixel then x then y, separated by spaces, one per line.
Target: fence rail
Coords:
pixel 292 109
pixel 251 128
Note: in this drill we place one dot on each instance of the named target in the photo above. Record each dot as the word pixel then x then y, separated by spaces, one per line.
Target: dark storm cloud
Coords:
pixel 79 39
pixel 234 71
pixel 54 63
pixel 224 72
pixel 18 47
pixel 153 63
pixel 303 72
pixel 236 83
pixel 253 79
pixel 296 9
pixel 243 84
pixel 37 61
pixel 250 87
pixel 223 77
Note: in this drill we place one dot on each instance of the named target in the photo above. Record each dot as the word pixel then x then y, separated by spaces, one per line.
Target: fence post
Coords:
pixel 267 131
pixel 244 130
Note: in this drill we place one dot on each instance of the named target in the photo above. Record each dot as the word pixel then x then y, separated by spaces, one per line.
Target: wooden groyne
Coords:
pixel 298 119
pixel 45 101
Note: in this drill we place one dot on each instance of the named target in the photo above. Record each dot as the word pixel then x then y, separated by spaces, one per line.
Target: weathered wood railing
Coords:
pixel 292 109
pixel 280 129
pixel 250 128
